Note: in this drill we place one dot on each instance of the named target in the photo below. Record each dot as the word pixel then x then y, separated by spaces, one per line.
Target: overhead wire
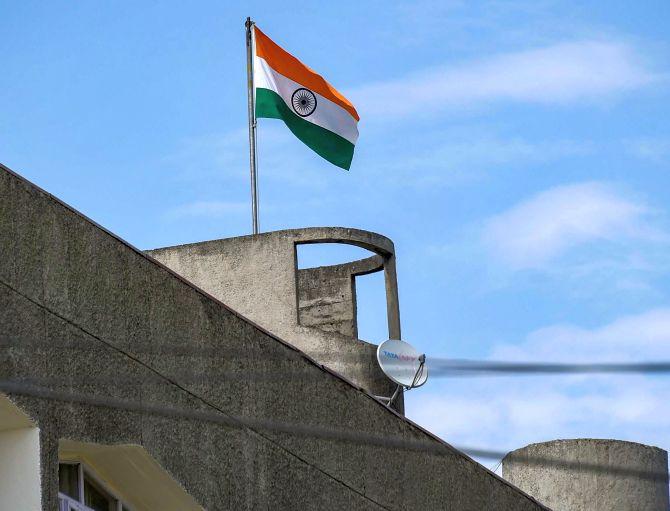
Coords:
pixel 438 367
pixel 229 419
pixel 26 388
pixel 442 367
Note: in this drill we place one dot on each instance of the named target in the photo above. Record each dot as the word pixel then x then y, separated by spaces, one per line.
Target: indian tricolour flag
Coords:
pixel 312 109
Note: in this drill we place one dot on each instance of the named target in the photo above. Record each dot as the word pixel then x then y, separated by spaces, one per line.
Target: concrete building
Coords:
pixel 314 309
pixel 127 386
pixel 591 475
pixel 214 376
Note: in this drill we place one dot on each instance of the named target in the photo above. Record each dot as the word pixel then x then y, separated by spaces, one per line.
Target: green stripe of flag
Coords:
pixel 331 146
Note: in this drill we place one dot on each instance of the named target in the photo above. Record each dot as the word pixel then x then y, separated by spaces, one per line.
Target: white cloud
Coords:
pixel 475 25
pixel 454 160
pixel 209 209
pixel 503 413
pixel 543 227
pixel 562 73
pixel 455 154
pixel 644 336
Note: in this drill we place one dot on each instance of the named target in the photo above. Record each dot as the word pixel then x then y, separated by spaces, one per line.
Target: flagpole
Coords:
pixel 252 126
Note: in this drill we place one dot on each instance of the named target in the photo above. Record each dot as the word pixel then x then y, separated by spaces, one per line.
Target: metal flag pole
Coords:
pixel 252 125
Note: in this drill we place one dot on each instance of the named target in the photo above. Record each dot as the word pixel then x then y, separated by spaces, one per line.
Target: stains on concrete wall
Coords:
pixel 87 313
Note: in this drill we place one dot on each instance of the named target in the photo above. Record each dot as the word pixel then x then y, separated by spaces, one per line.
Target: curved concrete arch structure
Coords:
pixel 313 308
pixel 384 260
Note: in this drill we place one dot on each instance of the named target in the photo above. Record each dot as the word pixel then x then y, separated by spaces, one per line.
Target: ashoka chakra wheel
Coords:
pixel 303 102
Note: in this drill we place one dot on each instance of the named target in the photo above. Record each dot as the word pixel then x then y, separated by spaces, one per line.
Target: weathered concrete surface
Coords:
pixel 327 295
pixel 313 309
pixel 81 311
pixel 327 300
pixel 591 475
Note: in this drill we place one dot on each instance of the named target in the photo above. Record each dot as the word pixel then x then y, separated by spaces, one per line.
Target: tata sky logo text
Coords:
pixel 397 356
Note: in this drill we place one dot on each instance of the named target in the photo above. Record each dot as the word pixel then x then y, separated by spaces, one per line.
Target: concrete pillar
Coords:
pixel 591 475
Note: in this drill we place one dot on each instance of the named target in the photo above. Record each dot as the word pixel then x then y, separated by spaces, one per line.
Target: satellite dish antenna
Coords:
pixel 403 365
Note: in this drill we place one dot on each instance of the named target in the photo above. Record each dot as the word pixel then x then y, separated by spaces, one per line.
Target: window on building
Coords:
pixel 68 479
pixel 80 490
pixel 96 498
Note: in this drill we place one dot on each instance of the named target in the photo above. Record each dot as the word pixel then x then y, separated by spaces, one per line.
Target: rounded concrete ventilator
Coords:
pixel 591 475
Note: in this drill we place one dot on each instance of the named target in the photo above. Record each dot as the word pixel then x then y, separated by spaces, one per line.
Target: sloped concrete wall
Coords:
pixel 83 312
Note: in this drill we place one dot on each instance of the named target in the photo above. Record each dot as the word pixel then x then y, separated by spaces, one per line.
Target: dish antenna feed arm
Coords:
pixel 419 378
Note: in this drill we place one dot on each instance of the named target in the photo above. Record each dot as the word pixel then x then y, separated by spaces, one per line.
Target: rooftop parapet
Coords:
pixel 314 308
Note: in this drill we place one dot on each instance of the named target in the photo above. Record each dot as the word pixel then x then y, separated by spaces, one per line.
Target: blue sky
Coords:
pixel 516 152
